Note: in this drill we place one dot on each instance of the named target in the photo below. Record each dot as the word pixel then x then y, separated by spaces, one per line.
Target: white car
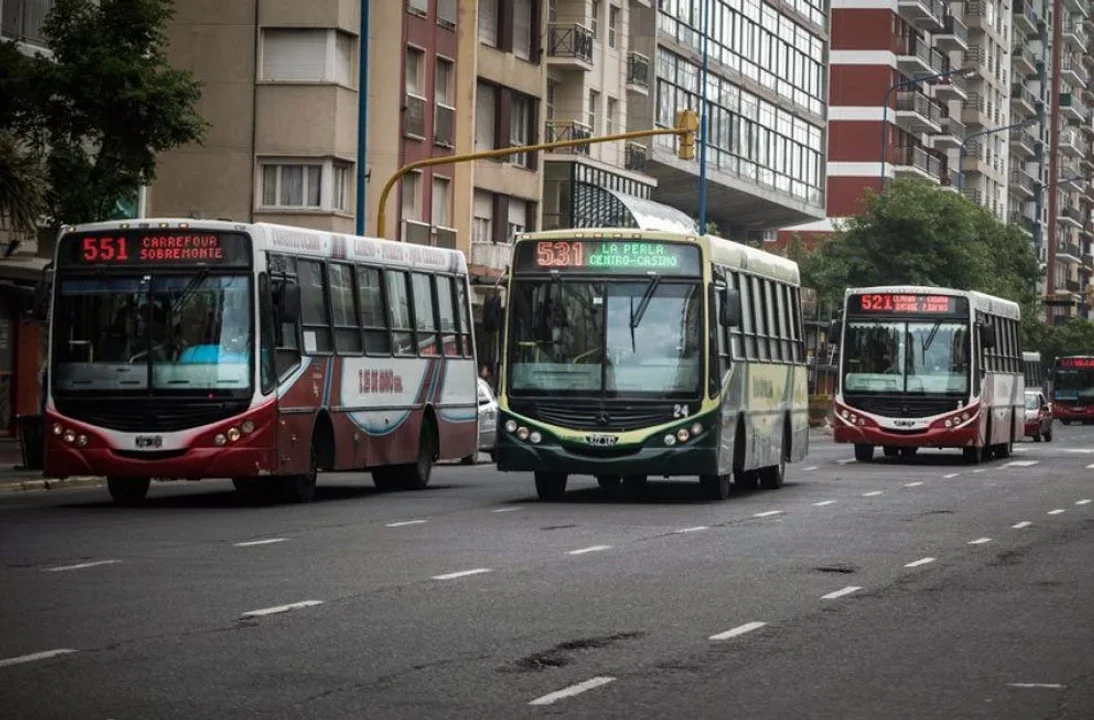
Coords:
pixel 488 421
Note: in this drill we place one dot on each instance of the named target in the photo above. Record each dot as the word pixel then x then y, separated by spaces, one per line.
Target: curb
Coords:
pixel 30 485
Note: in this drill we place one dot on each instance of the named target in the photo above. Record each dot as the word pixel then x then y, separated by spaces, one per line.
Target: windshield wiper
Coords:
pixel 930 338
pixel 190 289
pixel 643 305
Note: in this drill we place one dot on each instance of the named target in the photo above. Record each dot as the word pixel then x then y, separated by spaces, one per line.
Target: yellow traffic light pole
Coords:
pixel 687 121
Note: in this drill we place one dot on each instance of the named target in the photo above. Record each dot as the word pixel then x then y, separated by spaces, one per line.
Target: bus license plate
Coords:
pixel 601 440
pixel 149 442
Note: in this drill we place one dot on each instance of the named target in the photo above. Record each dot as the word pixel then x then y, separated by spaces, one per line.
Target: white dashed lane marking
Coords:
pixel 594 548
pixel 1020 463
pixel 1023 524
pixel 913 484
pixel 739 630
pixel 1082 502
pixel 769 513
pixel 81 566
pixel 811 467
pixel 980 541
pixel 512 509
pixel 460 574
pixel 1057 511
pixel 840 593
pixel 822 503
pixel 282 608
pixel 577 689
pixel 34 657
pixel 254 543
pixel 845 461
pixel 697 528
pixel 951 476
pixel 1042 686
pixel 404 523
pixel 922 561
pixel 872 493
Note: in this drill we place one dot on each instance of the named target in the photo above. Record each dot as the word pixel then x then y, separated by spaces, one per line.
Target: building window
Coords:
pixel 412 195
pixel 482 223
pixel 442 201
pixel 443 80
pixel 518 217
pixel 594 21
pixel 447 13
pixel 415 105
pixel 292 185
pixel 415 71
pixel 522 29
pixel 591 118
pixel 488 22
pixel 340 186
pixel 486 100
pixel 609 116
pixel 418 7
pixel 613 24
pixel 307 55
pixel 520 111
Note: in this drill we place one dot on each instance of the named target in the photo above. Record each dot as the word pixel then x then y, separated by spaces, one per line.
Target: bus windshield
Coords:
pixel 1073 382
pixel 619 338
pixel 927 357
pixel 145 332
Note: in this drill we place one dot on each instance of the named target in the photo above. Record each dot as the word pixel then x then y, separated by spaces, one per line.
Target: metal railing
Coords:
pixel 636 157
pixel 917 102
pixel 570 40
pixel 956 128
pixel 953 25
pixel 638 69
pixel 558 130
pixel 917 157
pixel 914 46
pixel 1021 180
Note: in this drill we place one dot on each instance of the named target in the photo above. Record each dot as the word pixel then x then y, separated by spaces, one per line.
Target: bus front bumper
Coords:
pixel 1071 412
pixel 648 461
pixel 967 436
pixel 192 464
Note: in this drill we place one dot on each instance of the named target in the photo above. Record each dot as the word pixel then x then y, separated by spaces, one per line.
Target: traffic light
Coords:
pixel 687 121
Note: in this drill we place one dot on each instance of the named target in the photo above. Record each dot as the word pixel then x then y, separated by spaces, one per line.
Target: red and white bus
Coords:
pixel 1073 389
pixel 262 353
pixel 928 367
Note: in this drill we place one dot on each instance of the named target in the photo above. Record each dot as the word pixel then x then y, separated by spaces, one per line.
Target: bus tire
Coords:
pixel 746 479
pixel 300 489
pixel 416 475
pixel 715 487
pixel 1048 435
pixel 385 479
pixel 772 478
pixel 890 451
pixel 469 460
pixel 550 487
pixel 1005 450
pixel 128 491
pixel 248 487
pixel 973 455
pixel 609 482
pixel 864 453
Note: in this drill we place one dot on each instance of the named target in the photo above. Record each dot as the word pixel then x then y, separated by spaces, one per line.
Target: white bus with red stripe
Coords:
pixel 928 367
pixel 261 353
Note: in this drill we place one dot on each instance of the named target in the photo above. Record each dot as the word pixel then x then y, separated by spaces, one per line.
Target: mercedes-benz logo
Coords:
pixel 603 419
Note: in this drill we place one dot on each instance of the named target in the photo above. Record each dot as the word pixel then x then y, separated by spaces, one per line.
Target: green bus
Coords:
pixel 634 354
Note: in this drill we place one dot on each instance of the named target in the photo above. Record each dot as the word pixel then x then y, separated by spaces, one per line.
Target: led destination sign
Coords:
pixel 608 256
pixel 906 304
pixel 154 247
pixel 1076 362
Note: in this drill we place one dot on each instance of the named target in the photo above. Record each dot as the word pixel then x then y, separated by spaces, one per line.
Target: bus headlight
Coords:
pixel 696 428
pixel 522 433
pixel 682 434
pixel 535 437
pixel 81 440
pixel 58 429
pixel 247 427
pixel 69 436
pixel 220 439
pixel 670 439
pixel 233 434
pixel 511 426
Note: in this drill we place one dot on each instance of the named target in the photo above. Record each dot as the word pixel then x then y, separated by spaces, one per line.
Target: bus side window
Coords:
pixel 266 368
pixel 314 307
pixel 447 312
pixel 370 288
pixel 425 319
pixel 464 315
pixel 286 334
pixel 735 339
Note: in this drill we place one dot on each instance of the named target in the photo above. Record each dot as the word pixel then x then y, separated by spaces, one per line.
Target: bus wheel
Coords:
pixel 973 455
pixel 385 479
pixel 1048 435
pixel 247 486
pixel 746 479
pixel 416 475
pixel 608 482
pixel 550 487
pixel 864 453
pixel 301 488
pixel 890 451
pixel 1004 450
pixel 469 460
pixel 128 491
pixel 715 487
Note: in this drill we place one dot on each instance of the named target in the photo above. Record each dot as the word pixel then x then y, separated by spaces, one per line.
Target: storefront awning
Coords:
pixel 22 269
pixel 599 207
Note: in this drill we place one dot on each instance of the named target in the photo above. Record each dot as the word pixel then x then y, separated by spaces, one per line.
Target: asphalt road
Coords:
pixel 922 589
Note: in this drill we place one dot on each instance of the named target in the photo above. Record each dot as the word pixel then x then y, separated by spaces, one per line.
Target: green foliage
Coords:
pixel 1074 337
pixel 105 104
pixel 22 187
pixel 916 233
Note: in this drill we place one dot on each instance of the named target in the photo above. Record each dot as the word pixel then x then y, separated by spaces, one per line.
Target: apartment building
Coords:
pixel 22 347
pixel 767 107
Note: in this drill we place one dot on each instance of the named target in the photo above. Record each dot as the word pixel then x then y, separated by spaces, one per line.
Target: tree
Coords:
pixel 105 104
pixel 916 233
pixel 22 189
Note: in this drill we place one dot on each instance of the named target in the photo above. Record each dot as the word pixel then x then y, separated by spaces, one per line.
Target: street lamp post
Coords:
pixel 885 108
pixel 704 119
pixel 993 131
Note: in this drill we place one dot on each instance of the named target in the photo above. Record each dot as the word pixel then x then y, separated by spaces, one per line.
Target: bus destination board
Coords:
pixel 608 257
pixel 160 246
pixel 1076 362
pixel 905 304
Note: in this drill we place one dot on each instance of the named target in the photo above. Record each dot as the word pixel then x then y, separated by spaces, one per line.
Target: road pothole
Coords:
pixel 840 568
pixel 562 654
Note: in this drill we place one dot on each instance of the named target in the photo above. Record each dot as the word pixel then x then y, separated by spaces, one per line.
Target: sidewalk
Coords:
pixel 14 477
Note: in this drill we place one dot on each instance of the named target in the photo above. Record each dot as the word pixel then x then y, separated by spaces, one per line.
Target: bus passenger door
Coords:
pixel 295 389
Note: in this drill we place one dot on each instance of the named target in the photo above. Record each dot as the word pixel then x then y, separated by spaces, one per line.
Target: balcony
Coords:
pixel 954 34
pixel 22 20
pixel 637 155
pixel 569 46
pixel 973 161
pixel 1078 7
pixel 1074 36
pixel 1024 143
pixel 559 130
pixel 1072 70
pixel 917 113
pixel 915 162
pixel 1025 17
pixel 1022 61
pixel 1022 101
pixel 638 73
pixel 923 14
pixel 1015 217
pixel 974 196
pixel 1022 185
pixel 1072 108
pixel 1071 144
pixel 1069 252
pixel 954 87
pixel 952 134
pixel 976 15
pixel 1072 217
pixel 916 57
pixel 974 111
pixel 976 61
pixel 494 257
pixel 417 233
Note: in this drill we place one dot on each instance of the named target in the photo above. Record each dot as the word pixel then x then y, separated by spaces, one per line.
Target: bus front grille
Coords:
pixel 607 416
pixel 147 414
pixel 902 406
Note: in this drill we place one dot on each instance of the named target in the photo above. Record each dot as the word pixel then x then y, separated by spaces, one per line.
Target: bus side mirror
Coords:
pixel 493 314
pixel 288 301
pixel 731 308
pixel 987 336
